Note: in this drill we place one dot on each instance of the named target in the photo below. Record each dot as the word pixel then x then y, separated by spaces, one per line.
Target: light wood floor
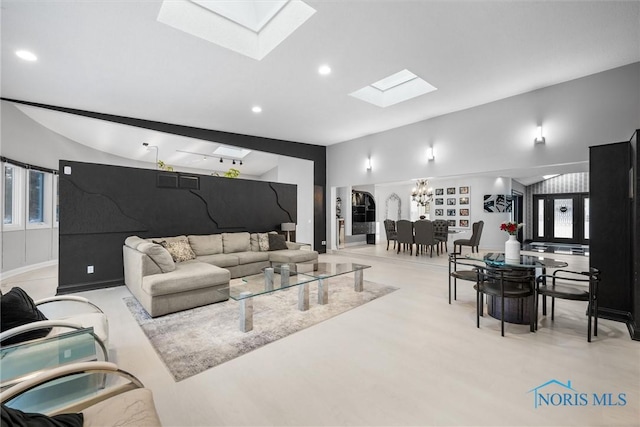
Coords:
pixel 408 358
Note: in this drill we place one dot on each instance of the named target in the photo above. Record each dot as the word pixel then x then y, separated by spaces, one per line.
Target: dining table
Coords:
pixel 516 310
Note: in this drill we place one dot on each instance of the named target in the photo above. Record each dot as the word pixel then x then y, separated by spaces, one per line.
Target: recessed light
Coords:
pixel 26 55
pixel 324 70
pixel 257 109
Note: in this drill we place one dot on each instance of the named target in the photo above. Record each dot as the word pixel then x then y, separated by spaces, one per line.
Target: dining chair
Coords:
pixel 405 235
pixel 469 272
pixel 441 229
pixel 505 283
pixel 392 233
pixel 425 237
pixel 474 241
pixel 574 286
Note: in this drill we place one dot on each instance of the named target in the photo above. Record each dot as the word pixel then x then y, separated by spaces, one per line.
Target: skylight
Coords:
pixel 233 152
pixel 398 87
pixel 253 15
pixel 250 27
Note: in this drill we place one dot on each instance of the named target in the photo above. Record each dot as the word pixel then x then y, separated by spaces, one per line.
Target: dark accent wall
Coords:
pixel 315 153
pixel 101 205
pixel 615 241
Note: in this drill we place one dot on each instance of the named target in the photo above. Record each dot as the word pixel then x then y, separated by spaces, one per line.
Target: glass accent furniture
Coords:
pixel 285 276
pixel 516 310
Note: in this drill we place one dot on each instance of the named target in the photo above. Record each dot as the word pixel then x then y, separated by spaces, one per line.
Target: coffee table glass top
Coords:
pixel 251 286
pixel 322 270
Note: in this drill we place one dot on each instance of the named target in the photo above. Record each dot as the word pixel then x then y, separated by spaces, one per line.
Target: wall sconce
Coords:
pixel 368 163
pixel 430 154
pixel 539 138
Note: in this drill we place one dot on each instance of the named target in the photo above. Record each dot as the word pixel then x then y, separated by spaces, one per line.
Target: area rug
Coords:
pixel 192 341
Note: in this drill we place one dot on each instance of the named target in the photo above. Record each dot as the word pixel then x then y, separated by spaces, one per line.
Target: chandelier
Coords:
pixel 421 193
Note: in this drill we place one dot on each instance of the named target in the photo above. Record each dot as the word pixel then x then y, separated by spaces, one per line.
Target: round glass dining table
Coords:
pixel 497 259
pixel 516 310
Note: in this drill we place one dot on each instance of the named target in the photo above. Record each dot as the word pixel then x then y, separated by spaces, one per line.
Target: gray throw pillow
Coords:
pixel 277 242
pixel 159 255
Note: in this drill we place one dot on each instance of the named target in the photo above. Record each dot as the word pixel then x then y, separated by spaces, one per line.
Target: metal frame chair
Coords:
pixel 506 283
pixel 565 284
pixel 470 275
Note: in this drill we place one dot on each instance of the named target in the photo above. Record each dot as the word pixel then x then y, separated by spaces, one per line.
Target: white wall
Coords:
pixel 291 170
pixel 593 110
pixel 597 109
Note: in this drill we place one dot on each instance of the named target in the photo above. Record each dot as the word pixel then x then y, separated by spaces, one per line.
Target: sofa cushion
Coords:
pixel 159 255
pixel 250 257
pixel 236 242
pixel 206 245
pixel 277 242
pixel 180 250
pixel 133 241
pixel 221 260
pixel 292 255
pixel 263 241
pixel 253 242
pixel 187 276
pixel 17 309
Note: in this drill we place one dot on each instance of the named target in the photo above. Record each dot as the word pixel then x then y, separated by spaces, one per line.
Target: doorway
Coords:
pixel 561 218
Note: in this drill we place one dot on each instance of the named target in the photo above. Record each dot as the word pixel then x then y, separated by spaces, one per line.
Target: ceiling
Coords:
pixel 117 58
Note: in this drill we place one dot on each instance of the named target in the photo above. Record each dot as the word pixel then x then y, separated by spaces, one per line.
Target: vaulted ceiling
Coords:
pixel 115 57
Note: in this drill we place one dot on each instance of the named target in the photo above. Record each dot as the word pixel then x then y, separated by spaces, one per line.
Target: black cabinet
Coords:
pixel 614 230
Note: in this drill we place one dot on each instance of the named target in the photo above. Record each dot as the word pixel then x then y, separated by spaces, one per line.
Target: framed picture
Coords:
pixel 451 212
pixel 464 212
pixel 439 201
pixel 464 190
pixel 498 202
pixel 439 191
pixel 464 200
pixel 439 212
pixel 451 190
pixel 451 222
pixel 464 223
pixel 451 201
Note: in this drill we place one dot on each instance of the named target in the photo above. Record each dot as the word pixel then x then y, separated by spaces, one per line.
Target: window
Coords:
pixel 12 196
pixel 36 197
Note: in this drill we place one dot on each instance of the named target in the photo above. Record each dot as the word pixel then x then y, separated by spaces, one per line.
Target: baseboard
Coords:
pixel 27 268
pixel 89 286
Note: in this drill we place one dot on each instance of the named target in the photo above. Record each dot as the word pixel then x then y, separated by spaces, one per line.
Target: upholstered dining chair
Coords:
pixel 425 237
pixel 441 229
pixel 474 241
pixel 392 233
pixel 570 285
pixel 405 235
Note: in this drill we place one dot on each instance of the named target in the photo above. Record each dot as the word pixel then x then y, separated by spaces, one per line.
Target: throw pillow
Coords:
pixel 17 418
pixel 159 255
pixel 17 309
pixel 276 242
pixel 263 241
pixel 180 250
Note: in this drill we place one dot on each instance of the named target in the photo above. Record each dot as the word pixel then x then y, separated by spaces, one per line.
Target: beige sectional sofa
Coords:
pixel 170 274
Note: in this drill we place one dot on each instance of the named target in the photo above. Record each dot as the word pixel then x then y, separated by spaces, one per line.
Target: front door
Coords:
pixel 561 218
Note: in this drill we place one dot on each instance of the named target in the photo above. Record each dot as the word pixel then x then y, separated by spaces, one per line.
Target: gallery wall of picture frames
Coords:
pixel 454 205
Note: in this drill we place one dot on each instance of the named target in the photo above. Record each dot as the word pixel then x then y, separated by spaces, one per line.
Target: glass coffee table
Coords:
pixel 286 276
